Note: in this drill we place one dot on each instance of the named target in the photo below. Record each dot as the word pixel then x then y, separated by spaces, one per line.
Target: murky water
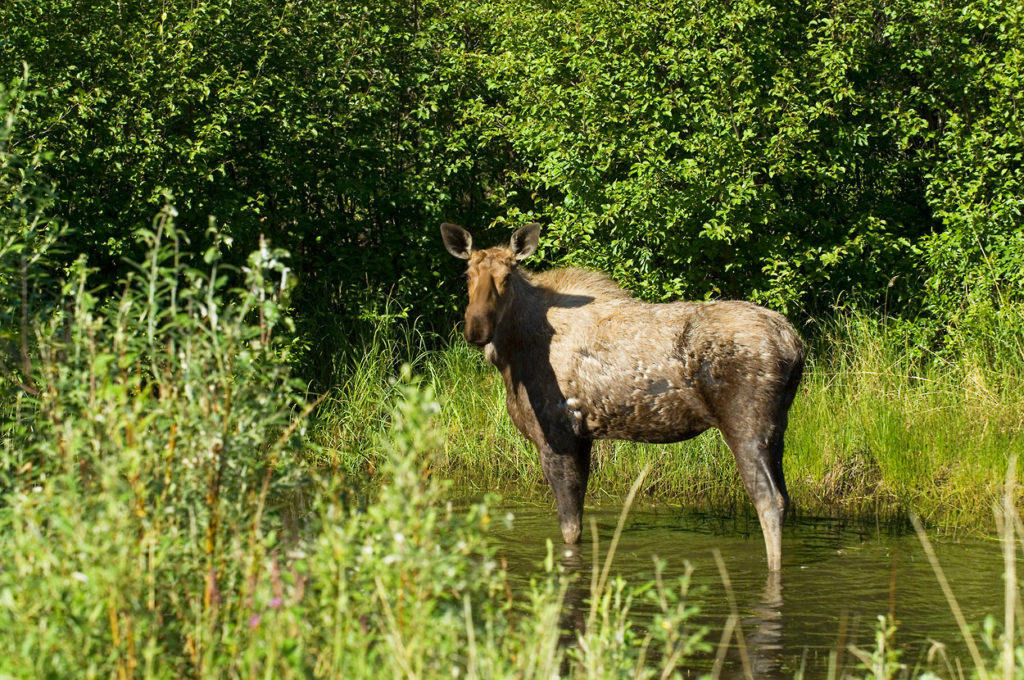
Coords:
pixel 837 577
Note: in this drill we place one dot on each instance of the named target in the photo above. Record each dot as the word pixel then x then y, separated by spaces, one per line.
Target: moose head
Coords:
pixel 489 273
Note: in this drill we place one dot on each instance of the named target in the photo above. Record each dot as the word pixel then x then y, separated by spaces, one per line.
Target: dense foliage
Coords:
pixel 157 516
pixel 805 155
pixel 157 521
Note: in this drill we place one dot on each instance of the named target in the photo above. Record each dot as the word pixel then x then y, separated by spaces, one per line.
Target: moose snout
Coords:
pixel 477 333
pixel 479 328
pixel 479 341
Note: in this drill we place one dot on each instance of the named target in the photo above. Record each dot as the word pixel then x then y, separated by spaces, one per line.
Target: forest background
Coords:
pixel 809 156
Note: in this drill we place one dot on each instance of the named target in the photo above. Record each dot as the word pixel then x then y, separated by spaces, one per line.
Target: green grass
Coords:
pixel 877 429
pixel 149 455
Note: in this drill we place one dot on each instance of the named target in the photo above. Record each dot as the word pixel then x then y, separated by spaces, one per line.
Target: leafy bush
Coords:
pixel 801 154
pixel 731 149
pixel 806 155
pixel 141 441
pixel 332 130
pixel 160 516
pixel 28 237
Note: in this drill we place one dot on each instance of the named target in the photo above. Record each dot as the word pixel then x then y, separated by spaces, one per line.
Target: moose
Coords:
pixel 582 360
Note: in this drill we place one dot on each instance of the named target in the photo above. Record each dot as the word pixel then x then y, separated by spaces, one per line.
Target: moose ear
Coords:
pixel 457 240
pixel 524 241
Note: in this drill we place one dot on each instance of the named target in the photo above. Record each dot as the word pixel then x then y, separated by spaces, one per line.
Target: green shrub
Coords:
pixel 140 445
pixel 806 155
pixel 161 515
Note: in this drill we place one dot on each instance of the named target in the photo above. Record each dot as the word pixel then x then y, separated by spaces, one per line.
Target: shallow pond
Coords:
pixel 837 577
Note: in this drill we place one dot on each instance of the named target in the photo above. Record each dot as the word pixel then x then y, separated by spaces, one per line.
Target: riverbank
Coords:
pixel 878 429
pixel 172 504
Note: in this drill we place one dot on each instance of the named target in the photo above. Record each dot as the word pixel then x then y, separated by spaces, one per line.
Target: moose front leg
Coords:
pixel 566 466
pixel 759 460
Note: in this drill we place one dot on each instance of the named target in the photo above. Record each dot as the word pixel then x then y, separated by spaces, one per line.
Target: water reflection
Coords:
pixel 762 630
pixel 837 577
pixel 751 643
pixel 577 590
pixel 755 645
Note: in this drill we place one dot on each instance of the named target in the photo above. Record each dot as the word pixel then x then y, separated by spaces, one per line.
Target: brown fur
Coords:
pixel 582 360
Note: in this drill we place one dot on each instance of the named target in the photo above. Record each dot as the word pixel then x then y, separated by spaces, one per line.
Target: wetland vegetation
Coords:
pixel 240 435
pixel 875 431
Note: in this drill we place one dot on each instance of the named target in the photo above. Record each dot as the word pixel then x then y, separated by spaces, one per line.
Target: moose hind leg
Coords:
pixel 567 469
pixel 759 460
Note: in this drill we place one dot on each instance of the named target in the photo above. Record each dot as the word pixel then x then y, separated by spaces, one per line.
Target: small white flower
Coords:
pixel 80 577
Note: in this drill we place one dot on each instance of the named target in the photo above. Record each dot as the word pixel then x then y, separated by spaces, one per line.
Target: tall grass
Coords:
pixel 142 435
pixel 881 428
pixel 151 453
pixel 878 428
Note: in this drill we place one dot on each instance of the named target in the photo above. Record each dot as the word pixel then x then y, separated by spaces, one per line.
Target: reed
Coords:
pixel 882 428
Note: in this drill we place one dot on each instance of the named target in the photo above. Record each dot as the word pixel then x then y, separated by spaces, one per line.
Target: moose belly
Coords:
pixel 655 411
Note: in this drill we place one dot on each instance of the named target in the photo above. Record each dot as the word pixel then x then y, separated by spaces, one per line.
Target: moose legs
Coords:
pixel 566 465
pixel 759 460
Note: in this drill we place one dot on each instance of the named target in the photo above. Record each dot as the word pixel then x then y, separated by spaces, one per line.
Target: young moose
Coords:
pixel 582 360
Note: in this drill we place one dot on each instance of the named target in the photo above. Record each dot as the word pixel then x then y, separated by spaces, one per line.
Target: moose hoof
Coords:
pixel 571 532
